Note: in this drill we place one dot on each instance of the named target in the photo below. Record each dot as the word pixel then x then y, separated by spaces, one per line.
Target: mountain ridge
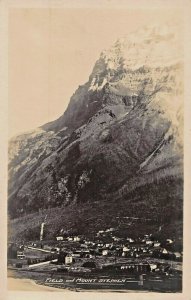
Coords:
pixel 121 134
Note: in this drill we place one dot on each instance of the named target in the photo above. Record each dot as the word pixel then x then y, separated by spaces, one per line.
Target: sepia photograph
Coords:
pixel 96 149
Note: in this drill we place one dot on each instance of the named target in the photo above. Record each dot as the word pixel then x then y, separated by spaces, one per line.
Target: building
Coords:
pixel 77 239
pixel 20 255
pixel 125 249
pixel 153 267
pixel 169 241
pixel 68 259
pixel 59 238
pixel 164 251
pixel 129 268
pixel 77 254
pixel 110 229
pixel 105 252
pixel 177 255
pixel 149 242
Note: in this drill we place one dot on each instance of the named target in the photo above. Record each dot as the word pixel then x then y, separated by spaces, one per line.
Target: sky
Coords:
pixel 52 51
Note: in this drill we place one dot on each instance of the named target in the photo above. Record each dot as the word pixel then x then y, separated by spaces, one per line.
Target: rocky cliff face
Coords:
pixel 116 149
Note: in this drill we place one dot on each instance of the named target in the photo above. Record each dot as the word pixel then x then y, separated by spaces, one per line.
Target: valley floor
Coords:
pixel 41 280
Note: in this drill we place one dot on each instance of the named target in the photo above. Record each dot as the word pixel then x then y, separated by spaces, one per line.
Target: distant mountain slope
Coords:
pixel 118 145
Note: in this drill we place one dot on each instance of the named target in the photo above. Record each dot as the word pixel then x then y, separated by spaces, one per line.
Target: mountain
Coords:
pixel 117 151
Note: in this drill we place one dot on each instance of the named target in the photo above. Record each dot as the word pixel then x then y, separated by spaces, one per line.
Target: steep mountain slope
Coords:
pixel 116 149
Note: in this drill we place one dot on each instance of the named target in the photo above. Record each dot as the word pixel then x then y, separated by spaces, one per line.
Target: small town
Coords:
pixel 107 261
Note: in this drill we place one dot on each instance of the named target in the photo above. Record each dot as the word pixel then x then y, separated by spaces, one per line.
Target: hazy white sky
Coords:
pixel 53 51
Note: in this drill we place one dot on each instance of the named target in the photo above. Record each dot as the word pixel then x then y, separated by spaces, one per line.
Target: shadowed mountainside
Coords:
pixel 116 151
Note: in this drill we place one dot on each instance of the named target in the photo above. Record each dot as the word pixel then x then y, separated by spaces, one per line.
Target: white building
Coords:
pixel 105 252
pixel 126 249
pixel 59 238
pixel 76 255
pixel 164 251
pixel 68 259
pixel 77 239
pixel 130 240
pixel 169 241
pixel 110 229
pixel 177 254
pixel 153 267
pixel 149 242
